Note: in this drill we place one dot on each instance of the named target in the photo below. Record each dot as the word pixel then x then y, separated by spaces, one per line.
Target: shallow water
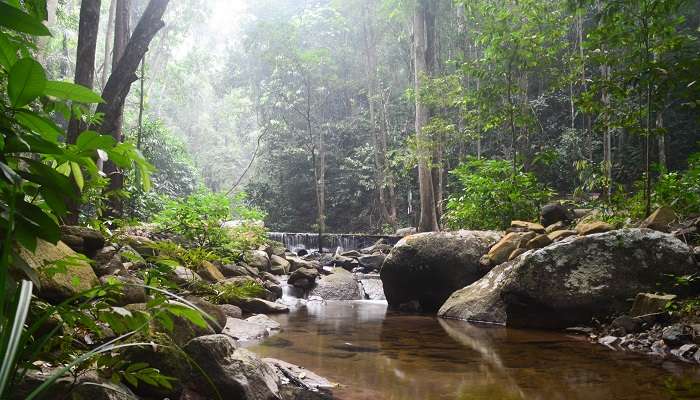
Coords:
pixel 377 354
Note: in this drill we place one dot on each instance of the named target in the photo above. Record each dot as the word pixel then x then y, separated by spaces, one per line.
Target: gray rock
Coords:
pixel 428 267
pixel 626 324
pixel 339 285
pixel 373 289
pixel 86 386
pixel 687 351
pixel 373 261
pixel 650 303
pixel 183 276
pixel 406 231
pixel 273 288
pixel 300 383
pixel 297 262
pixel 555 212
pixel 131 292
pixel 677 334
pixel 303 278
pixel 278 265
pixel 265 321
pixel 258 259
pixel 82 239
pixel 243 330
pixel 571 282
pixel 609 341
pixel 260 306
pixel 266 276
pixel 237 373
pixel 231 311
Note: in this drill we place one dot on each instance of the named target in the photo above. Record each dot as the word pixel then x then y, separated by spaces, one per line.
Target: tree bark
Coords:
pixel 85 57
pixel 428 219
pixel 108 42
pixel 126 61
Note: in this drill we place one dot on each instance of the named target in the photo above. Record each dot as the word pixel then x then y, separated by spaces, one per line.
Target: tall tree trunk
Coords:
pixel 662 140
pixel 85 57
pixel 428 219
pixel 88 27
pixel 108 42
pixel 386 203
pixel 126 61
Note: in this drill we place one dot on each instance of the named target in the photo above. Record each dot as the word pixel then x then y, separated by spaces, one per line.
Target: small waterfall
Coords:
pixel 309 241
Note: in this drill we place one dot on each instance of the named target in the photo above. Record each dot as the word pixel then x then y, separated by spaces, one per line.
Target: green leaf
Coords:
pixel 71 91
pixel 26 82
pixel 18 20
pixel 46 128
pixel 77 174
pixel 8 52
pixel 91 140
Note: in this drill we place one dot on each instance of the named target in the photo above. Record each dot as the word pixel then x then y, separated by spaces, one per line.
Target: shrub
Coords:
pixel 196 218
pixel 488 195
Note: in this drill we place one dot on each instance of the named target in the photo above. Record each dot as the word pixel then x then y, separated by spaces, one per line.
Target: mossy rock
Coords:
pixel 77 277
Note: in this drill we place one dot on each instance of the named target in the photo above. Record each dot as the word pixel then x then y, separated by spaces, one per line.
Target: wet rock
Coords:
pixel 279 265
pixel 650 303
pixel 677 334
pixel 553 213
pixel 113 266
pixel 373 288
pixel 265 321
pixel 610 341
pixel 77 277
pixel 530 226
pixel 339 285
pixel 351 254
pixel 406 231
pixel 343 262
pixel 660 219
pixel 299 383
pixel 260 306
pixel 82 239
pixel 589 228
pixel 687 351
pixel 258 259
pixel 428 267
pixel 571 282
pixel 273 288
pixel 209 272
pixel 231 311
pixel 304 278
pixel 243 330
pixel 236 372
pixel 297 262
pixel 372 262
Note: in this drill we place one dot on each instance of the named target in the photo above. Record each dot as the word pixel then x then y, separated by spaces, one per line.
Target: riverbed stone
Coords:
pixel 561 234
pixel 297 262
pixel 258 259
pixel 570 282
pixel 530 226
pixel 373 288
pixel 260 306
pixel 299 383
pixel 265 321
pixel 279 265
pixel 243 330
pixel 660 219
pixel 231 311
pixel 210 272
pixel 77 277
pixel 184 276
pixel 500 252
pixel 131 292
pixel 339 285
pixel 82 239
pixel 538 242
pixel 557 226
pixel 677 334
pixel 304 278
pixel 235 372
pixel 650 303
pixel 428 267
pixel 555 212
pixel 372 261
pixel 589 228
pixel 517 253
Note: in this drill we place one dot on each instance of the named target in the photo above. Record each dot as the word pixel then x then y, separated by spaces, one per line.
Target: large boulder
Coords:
pixel 427 267
pixel 73 276
pixel 231 372
pixel 260 306
pixel 82 239
pixel 258 259
pixel 210 272
pixel 298 262
pixel 279 265
pixel 555 212
pixel 572 281
pixel 304 278
pixel 339 285
pixel 660 220
pixel 372 261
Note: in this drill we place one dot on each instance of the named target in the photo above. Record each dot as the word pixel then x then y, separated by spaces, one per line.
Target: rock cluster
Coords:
pixel 230 370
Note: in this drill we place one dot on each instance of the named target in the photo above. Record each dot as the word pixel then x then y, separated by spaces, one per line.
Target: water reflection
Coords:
pixel 381 355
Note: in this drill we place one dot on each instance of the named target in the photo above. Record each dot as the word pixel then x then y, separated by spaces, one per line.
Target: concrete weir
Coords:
pixel 331 241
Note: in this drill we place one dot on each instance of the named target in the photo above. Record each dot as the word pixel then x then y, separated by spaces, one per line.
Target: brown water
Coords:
pixel 377 354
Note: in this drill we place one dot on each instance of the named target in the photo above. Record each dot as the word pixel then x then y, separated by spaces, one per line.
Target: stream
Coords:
pixel 378 354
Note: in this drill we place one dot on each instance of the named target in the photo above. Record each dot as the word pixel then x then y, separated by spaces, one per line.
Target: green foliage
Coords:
pixel 228 293
pixel 488 195
pixel 197 218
